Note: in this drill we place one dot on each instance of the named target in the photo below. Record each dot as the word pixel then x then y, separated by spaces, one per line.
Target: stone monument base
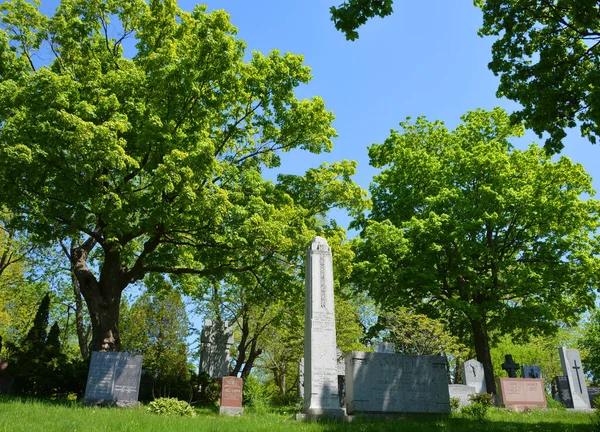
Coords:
pixel 325 412
pixel 111 403
pixel 231 411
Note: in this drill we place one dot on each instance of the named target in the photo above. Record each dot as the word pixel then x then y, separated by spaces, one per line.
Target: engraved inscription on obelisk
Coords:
pixel 320 362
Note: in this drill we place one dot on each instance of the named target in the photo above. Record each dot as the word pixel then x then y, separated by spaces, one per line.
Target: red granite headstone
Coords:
pixel 231 395
pixel 523 393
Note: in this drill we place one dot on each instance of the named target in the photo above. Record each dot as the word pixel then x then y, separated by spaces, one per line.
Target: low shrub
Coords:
pixel 454 403
pixel 476 411
pixel 482 398
pixel 552 403
pixel 171 406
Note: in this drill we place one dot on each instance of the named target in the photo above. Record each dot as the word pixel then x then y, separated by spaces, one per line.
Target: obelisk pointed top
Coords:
pixel 319 243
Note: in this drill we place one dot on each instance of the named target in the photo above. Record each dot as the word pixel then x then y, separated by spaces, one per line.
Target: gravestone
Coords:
pixel 385 348
pixel 301 378
pixel 572 369
pixel 561 391
pixel 510 366
pixel 531 372
pixel 462 393
pixel 321 396
pixel 593 393
pixel 113 379
pixel 474 376
pixel 216 338
pixel 380 383
pixel 231 396
pixel 522 393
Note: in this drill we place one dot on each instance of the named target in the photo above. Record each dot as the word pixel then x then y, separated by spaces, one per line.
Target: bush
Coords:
pixel 552 403
pixel 454 403
pixel 256 395
pixel 485 399
pixel 476 411
pixel 171 406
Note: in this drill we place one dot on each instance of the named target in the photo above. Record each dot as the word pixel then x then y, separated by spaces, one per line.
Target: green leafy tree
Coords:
pixel 351 14
pixel 589 343
pixel 467 228
pixel 156 326
pixel 547 55
pixel 154 159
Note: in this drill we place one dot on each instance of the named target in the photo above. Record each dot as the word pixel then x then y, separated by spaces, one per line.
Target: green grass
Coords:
pixel 31 416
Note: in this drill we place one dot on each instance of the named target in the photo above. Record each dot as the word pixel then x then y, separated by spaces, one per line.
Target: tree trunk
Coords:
pixel 482 349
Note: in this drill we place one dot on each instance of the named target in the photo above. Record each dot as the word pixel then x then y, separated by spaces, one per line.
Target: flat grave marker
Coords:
pixel 462 393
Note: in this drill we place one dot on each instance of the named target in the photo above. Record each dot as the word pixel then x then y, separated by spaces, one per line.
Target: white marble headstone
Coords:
pixel 474 376
pixel 572 369
pixel 320 355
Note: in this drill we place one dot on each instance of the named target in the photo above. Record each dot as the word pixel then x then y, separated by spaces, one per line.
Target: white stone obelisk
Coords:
pixel 320 362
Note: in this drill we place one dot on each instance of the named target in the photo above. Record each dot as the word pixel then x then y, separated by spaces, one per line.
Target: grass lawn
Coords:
pixel 31 416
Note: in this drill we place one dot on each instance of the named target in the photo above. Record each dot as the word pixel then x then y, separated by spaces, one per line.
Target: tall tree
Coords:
pixel 589 343
pixel 155 159
pixel 469 228
pixel 351 14
pixel 547 54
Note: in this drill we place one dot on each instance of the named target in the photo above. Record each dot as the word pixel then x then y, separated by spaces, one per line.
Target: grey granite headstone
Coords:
pixel 396 383
pixel 321 396
pixel 462 393
pixel 531 372
pixel 572 369
pixel 216 339
pixel 301 378
pixel 474 376
pixel 385 348
pixel 562 392
pixel 593 393
pixel 113 379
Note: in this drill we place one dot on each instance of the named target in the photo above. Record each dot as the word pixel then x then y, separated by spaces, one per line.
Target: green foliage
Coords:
pixel 157 158
pixel 454 403
pixel 351 14
pixel 588 343
pixel 554 404
pixel 476 411
pixel 256 394
pixel 485 399
pixel 156 326
pixel 171 406
pixel 547 56
pixel 492 237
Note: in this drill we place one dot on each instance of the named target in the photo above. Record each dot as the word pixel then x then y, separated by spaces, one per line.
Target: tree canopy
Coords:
pixel 488 237
pixel 155 158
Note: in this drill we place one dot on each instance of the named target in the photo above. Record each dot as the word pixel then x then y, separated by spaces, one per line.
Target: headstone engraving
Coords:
pixel 113 379
pixel 522 393
pixel 216 339
pixel 562 392
pixel 510 366
pixel 474 376
pixel 572 369
pixel 531 371
pixel 231 396
pixel 380 383
pixel 462 393
pixel 321 396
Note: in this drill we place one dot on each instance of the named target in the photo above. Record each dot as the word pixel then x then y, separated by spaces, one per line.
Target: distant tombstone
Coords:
pixel 522 393
pixel 231 396
pixel 341 376
pixel 462 393
pixel 510 366
pixel 321 395
pixel 113 379
pixel 301 378
pixel 562 392
pixel 572 369
pixel 474 376
pixel 216 338
pixel 380 383
pixel 385 348
pixel 594 393
pixel 531 372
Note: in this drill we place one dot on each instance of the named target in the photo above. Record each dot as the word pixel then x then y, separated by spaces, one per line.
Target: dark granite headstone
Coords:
pixel 562 391
pixel 593 392
pixel 531 371
pixel 510 366
pixel 114 379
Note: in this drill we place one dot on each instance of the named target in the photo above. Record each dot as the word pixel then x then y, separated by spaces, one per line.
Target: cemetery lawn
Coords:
pixel 31 416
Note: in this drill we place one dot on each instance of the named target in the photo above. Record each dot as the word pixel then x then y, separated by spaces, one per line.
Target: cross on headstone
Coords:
pixel 532 374
pixel 510 366
pixel 577 372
